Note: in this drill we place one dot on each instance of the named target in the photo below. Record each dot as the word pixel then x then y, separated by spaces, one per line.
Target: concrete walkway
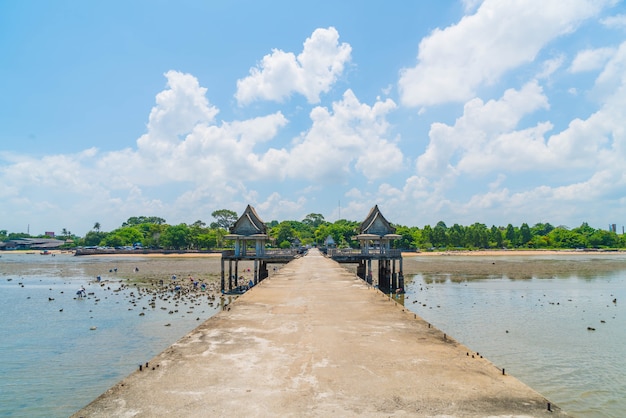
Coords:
pixel 316 341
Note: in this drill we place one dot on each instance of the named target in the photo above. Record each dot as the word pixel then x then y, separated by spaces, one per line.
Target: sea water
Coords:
pixel 58 352
pixel 564 336
pixel 52 363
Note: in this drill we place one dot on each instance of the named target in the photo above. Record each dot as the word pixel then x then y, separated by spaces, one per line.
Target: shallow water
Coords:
pixel 537 329
pixel 53 363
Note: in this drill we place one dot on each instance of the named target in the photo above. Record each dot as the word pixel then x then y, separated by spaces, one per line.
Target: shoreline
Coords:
pixel 284 352
pixel 468 253
pixel 474 253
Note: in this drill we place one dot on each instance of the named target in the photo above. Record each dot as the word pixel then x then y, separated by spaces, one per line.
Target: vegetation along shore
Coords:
pixel 146 233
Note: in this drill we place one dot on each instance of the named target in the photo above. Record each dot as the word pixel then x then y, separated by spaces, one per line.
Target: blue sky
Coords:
pixel 461 111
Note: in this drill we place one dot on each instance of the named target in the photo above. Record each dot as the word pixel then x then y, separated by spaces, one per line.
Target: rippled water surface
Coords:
pixel 564 336
pixel 52 361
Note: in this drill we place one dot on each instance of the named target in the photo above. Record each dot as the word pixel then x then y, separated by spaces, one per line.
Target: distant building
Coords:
pixel 31 244
pixel 49 234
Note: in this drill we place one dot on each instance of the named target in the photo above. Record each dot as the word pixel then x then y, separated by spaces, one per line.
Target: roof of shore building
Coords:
pixel 376 224
pixel 248 224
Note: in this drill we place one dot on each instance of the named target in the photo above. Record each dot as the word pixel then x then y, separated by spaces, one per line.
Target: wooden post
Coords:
pixel 256 271
pixel 222 282
pixel 230 274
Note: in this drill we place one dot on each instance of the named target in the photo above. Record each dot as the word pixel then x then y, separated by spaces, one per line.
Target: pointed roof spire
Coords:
pixel 376 224
pixel 249 223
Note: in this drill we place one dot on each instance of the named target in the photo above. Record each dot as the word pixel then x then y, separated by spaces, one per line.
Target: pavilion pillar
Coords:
pixel 222 282
pixel 256 271
pixel 361 270
pixel 230 274
pixel 263 273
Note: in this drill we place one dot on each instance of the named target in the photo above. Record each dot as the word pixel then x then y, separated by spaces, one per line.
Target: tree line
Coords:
pixel 155 232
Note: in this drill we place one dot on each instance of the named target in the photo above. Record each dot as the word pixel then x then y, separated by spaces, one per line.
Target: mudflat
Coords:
pixel 314 340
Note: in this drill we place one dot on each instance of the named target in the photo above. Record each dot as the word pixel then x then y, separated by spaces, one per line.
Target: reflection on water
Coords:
pixel 60 352
pixel 563 335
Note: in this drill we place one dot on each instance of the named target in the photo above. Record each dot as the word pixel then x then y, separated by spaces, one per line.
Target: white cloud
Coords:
pixel 470 5
pixel 210 163
pixel 591 59
pixel 311 73
pixel 615 22
pixel 550 66
pixel 484 138
pixel 352 133
pixel 454 62
pixel 178 110
pixel 279 207
pixel 614 73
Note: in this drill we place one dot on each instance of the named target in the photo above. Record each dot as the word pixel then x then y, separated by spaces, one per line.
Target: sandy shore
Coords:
pixel 489 253
pixel 461 265
pixel 467 265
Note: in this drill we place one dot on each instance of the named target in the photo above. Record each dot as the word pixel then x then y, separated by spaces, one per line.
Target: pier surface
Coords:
pixel 315 340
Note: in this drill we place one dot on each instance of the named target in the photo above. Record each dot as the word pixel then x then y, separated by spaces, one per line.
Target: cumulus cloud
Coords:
pixel 215 161
pixel 615 22
pixel 550 66
pixel 583 162
pixel 454 62
pixel 352 133
pixel 485 134
pixel 178 110
pixel 311 73
pixel 613 74
pixel 591 59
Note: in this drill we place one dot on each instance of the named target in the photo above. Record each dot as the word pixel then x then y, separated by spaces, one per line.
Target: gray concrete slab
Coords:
pixel 314 340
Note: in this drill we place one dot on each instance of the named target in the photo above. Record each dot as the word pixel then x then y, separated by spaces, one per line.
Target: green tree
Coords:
pixel 176 237
pixel 406 242
pixel 495 236
pixel 93 238
pixel 456 236
pixel 313 220
pixel 342 232
pixel 564 238
pixel 541 229
pixel 601 238
pixel 282 233
pixel 524 235
pixel 122 237
pixel 224 218
pixel 477 235
pixel 196 229
pixel 427 237
pixel 208 239
pixel 510 234
pixel 439 235
pixel 137 220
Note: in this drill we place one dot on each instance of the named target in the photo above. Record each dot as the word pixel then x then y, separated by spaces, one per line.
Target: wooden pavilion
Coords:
pixel 375 237
pixel 249 233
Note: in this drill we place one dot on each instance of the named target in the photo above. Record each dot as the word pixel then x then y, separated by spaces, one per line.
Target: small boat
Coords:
pixel 45 252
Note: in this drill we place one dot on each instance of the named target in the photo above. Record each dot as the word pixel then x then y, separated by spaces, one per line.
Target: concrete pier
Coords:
pixel 315 340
